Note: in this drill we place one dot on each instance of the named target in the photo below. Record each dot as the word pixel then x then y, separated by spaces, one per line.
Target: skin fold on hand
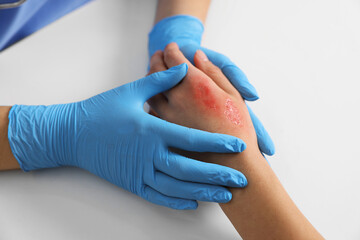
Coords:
pixel 206 100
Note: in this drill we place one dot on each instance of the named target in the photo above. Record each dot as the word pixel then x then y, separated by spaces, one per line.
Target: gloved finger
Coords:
pixel 265 143
pixel 190 139
pixel 173 56
pixel 191 170
pixel 233 73
pixel 202 62
pixel 175 203
pixel 188 190
pixel 160 81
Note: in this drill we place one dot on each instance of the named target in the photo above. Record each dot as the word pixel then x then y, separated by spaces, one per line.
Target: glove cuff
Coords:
pixel 182 29
pixel 39 136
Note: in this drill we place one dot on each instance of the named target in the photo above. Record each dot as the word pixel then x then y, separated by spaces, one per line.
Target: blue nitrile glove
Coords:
pixel 112 136
pixel 187 31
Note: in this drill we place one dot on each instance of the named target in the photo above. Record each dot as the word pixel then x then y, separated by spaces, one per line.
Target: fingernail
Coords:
pixel 202 55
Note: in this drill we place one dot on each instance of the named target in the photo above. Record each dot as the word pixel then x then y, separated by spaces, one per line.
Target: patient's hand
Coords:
pixel 205 99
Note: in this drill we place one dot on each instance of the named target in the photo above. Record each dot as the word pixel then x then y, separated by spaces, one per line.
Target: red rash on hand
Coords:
pixel 203 94
pixel 232 112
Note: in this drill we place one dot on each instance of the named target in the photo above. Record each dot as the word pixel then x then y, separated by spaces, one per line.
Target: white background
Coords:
pixel 302 56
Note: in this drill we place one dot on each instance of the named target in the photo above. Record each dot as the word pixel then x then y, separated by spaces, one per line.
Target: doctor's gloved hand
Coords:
pixel 187 32
pixel 111 136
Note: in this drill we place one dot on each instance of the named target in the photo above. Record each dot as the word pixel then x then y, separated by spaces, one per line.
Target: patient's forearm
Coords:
pixel 263 210
pixel 7 159
pixel 167 8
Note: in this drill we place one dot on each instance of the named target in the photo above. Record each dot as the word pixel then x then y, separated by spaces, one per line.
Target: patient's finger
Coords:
pixel 202 62
pixel 173 56
pixel 158 103
pixel 157 63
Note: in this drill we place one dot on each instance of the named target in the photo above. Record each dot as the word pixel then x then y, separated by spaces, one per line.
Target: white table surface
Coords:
pixel 304 59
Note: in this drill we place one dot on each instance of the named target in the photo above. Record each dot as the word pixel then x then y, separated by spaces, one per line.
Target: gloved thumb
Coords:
pixel 161 81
